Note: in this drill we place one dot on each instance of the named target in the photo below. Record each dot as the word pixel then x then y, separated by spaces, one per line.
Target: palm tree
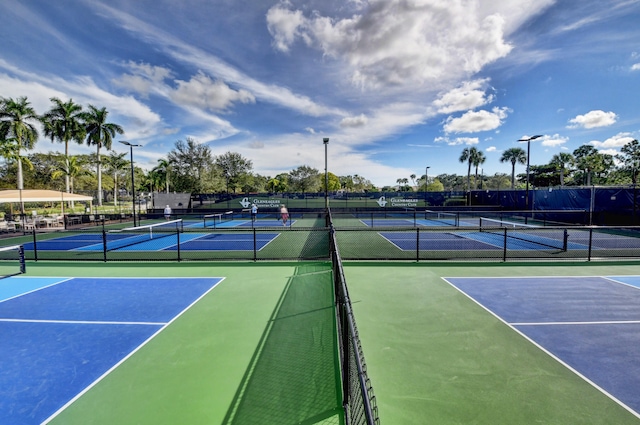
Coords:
pixel 70 167
pixel 100 133
pixel 16 123
pixel 560 161
pixel 153 179
pixel 468 155
pixel 64 123
pixel 514 155
pixel 413 179
pixel 9 149
pixel 116 163
pixel 163 167
pixel 478 159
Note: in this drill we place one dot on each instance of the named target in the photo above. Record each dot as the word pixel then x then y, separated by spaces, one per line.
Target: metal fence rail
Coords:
pixel 98 244
pixel 489 243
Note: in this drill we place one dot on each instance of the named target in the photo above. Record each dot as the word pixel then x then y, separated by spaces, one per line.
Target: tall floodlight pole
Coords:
pixel 326 175
pixel 133 183
pixel 528 140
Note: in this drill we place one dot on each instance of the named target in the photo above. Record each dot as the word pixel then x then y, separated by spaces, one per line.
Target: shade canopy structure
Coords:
pixel 37 195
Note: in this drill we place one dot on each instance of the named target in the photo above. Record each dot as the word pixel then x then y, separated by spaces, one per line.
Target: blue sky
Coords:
pixel 397 85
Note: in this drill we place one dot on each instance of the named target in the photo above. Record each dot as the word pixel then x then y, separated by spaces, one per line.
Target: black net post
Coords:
pixel 23 264
pixel 104 244
pixel 590 243
pixel 504 250
pixel 178 242
pixel 35 244
pixel 255 244
pixel 418 244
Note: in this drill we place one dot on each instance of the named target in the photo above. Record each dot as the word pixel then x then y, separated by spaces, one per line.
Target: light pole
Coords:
pixel 528 140
pixel 326 175
pixel 133 184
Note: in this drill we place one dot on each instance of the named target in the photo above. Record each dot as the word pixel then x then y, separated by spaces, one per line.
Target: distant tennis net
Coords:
pixel 117 239
pixel 543 236
pixel 450 219
pixel 12 261
pixel 214 220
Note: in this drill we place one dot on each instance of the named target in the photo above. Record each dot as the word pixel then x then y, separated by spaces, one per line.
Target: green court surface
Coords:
pixel 260 348
pixel 434 356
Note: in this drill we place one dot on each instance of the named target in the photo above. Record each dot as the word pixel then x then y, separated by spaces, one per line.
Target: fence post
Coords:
pixel 590 243
pixel 504 251
pixel 255 246
pixel 178 242
pixel 104 245
pixel 35 246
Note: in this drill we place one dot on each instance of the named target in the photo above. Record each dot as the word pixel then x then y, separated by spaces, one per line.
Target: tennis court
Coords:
pixel 258 342
pixel 123 241
pixel 258 345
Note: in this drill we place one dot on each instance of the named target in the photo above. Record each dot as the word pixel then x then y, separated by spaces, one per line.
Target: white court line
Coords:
pixel 115 366
pixel 83 322
pixel 549 353
pixel 605 322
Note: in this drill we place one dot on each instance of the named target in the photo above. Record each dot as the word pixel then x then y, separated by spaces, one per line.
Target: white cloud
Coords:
pixel 612 152
pixel 357 121
pixel 474 121
pixel 212 65
pixel 491 149
pixel 555 140
pixel 470 95
pixel 593 119
pixel 200 91
pixel 144 78
pixel 635 67
pixel 469 141
pixel 616 141
pixel 395 42
pixel 284 25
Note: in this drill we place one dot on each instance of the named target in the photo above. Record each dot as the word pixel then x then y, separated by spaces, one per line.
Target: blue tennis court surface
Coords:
pixel 166 242
pixel 250 224
pixel 448 241
pixel 61 335
pixel 590 324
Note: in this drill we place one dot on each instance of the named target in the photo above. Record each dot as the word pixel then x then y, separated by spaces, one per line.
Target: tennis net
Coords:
pixel 359 400
pixel 450 219
pixel 117 239
pixel 12 261
pixel 214 220
pixel 543 236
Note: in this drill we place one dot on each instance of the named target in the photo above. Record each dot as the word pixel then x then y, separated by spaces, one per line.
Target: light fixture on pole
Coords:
pixel 326 175
pixel 528 140
pixel 133 185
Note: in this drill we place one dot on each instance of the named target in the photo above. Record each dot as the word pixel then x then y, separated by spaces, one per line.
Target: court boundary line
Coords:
pixel 139 347
pixel 603 322
pixel 81 322
pixel 549 353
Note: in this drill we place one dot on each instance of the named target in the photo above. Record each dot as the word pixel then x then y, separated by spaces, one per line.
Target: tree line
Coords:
pixel 585 166
pixel 188 167
pixel 192 167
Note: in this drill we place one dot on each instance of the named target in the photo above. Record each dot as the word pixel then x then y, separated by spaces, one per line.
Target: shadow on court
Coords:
pixel 294 374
